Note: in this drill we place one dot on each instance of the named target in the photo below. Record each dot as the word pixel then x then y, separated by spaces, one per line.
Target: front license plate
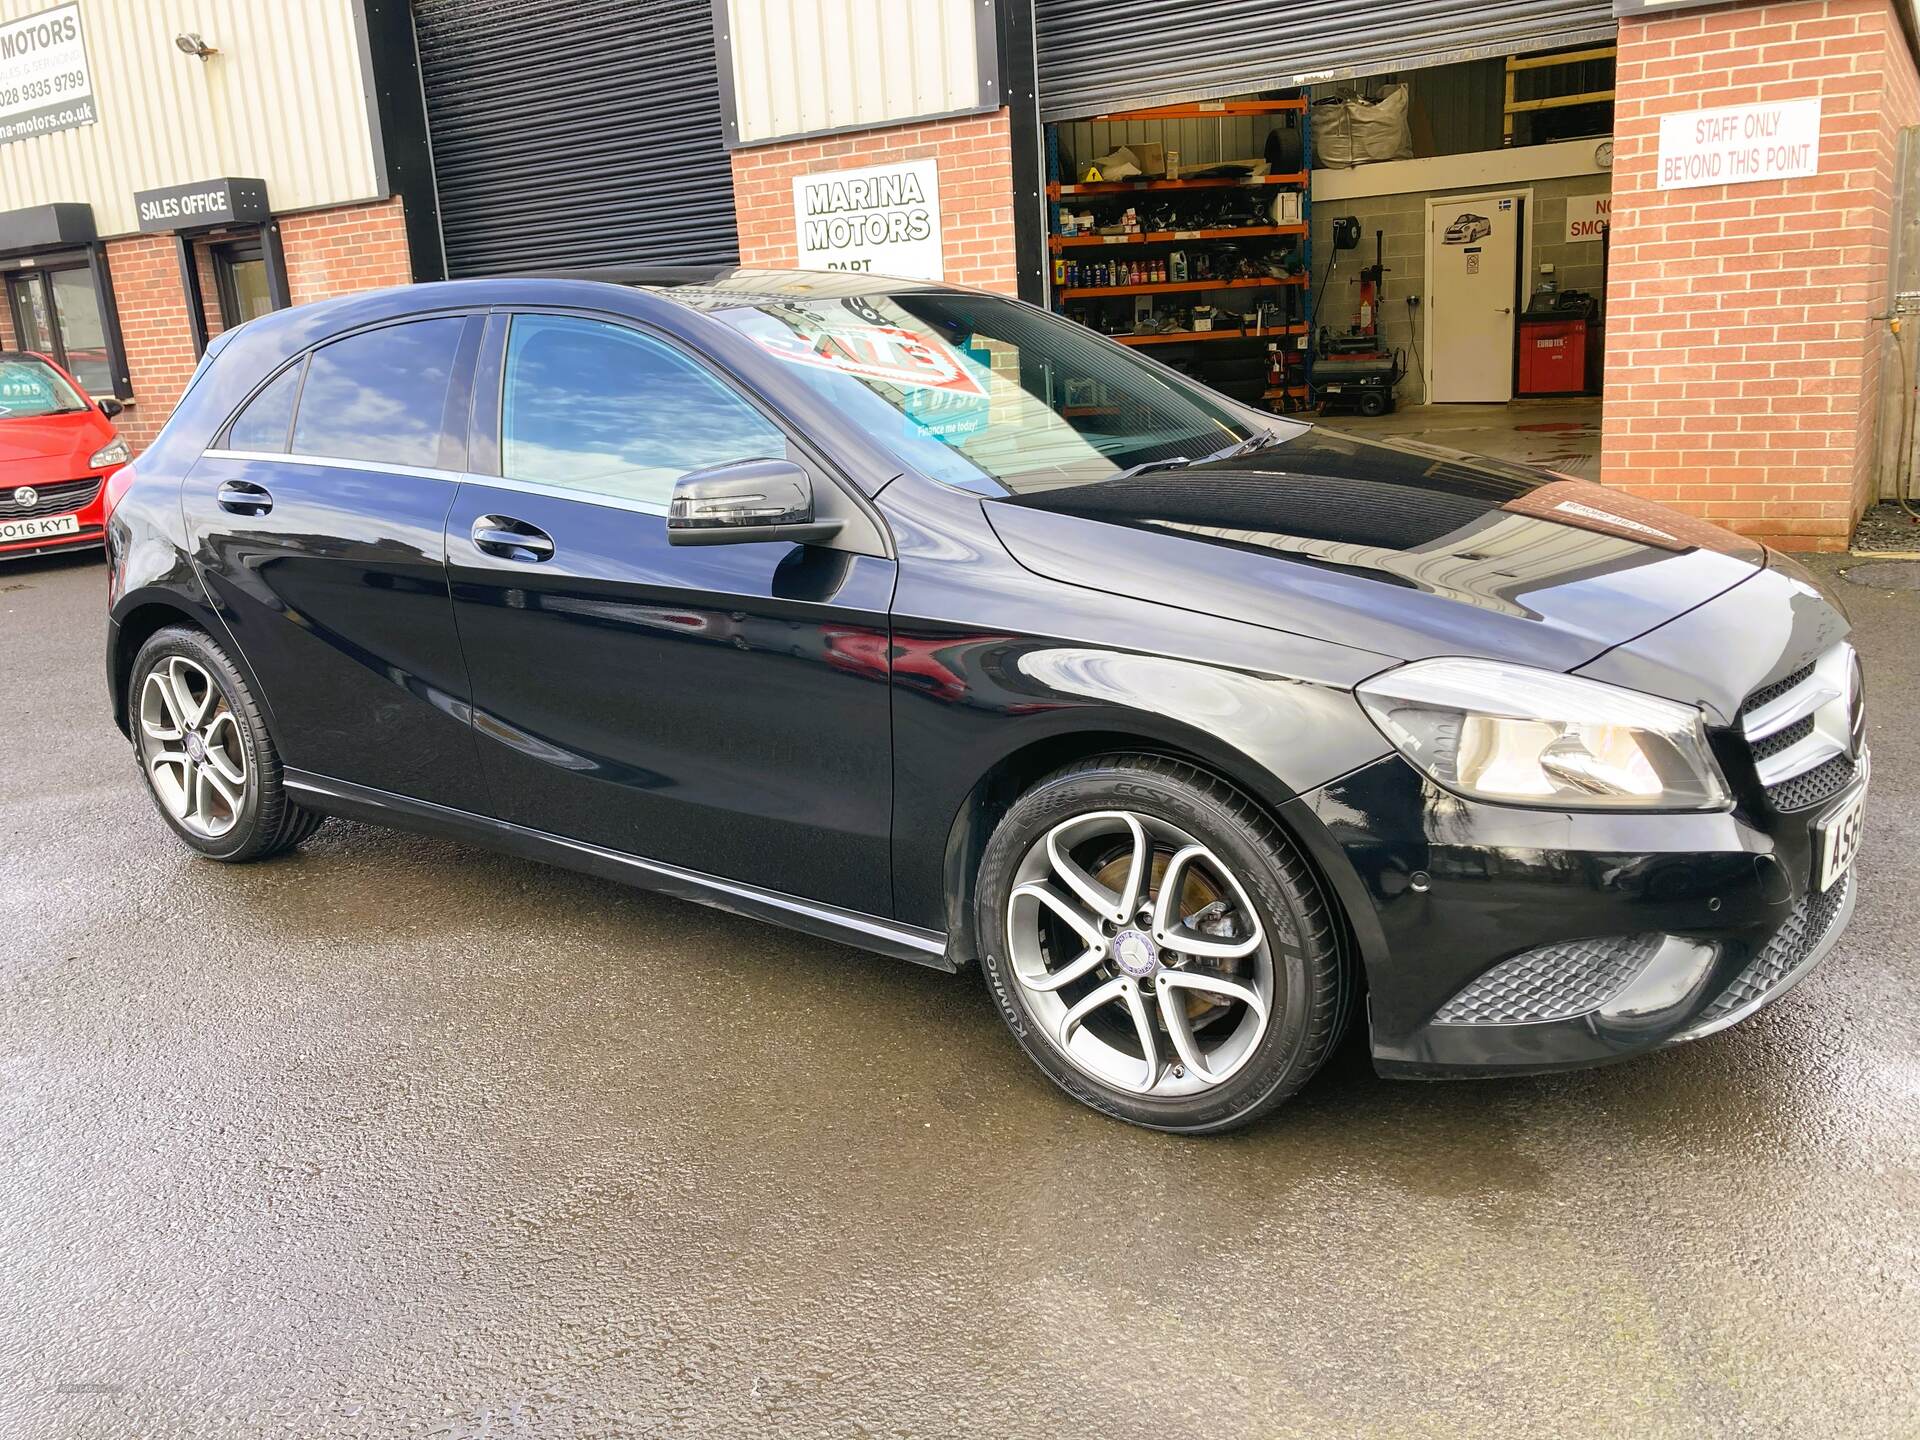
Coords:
pixel 39 528
pixel 1836 839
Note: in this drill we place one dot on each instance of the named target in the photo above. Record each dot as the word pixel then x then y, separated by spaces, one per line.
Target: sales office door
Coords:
pixel 1473 288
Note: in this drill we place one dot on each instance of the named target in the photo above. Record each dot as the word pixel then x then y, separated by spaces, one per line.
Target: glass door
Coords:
pixel 32 311
pixel 56 311
pixel 241 271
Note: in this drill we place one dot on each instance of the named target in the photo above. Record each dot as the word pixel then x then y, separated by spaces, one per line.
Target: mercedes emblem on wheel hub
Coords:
pixel 1135 954
pixel 196 749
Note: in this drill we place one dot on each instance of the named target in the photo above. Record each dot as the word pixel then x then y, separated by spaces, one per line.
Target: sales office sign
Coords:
pixel 203 203
pixel 884 219
pixel 45 81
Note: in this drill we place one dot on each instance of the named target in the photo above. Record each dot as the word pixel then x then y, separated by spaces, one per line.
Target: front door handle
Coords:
pixel 511 539
pixel 241 497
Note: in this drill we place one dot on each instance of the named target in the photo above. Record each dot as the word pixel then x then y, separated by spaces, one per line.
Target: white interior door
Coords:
pixel 1473 290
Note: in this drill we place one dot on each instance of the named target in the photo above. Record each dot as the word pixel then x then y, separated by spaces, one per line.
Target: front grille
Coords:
pixel 1767 693
pixel 1804 730
pixel 1781 739
pixel 1809 924
pixel 1822 782
pixel 49 499
pixel 1555 982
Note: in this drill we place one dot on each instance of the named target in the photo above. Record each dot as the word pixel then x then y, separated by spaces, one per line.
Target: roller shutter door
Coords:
pixel 575 132
pixel 1097 56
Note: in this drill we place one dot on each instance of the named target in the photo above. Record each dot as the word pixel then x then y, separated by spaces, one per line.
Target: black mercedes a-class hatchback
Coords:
pixel 928 621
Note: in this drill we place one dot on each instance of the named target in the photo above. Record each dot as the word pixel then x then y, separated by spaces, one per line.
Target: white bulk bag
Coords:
pixel 1359 132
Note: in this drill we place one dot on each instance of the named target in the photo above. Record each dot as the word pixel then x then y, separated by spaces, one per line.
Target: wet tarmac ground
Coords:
pixel 395 1137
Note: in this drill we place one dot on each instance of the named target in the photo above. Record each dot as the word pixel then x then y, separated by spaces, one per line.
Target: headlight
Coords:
pixel 113 453
pixel 1520 736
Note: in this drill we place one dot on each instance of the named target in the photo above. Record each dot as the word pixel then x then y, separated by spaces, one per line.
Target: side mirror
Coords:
pixel 745 501
pixel 110 407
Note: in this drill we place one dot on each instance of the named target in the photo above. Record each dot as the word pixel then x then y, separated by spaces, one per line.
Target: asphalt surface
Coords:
pixel 395 1137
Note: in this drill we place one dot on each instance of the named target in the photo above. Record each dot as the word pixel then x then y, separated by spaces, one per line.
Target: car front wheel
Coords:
pixel 1157 946
pixel 206 753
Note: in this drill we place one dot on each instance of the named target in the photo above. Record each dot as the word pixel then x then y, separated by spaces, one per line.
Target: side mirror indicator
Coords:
pixel 746 501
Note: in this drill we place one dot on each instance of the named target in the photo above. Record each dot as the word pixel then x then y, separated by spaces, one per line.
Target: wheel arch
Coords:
pixel 1017 771
pixel 137 619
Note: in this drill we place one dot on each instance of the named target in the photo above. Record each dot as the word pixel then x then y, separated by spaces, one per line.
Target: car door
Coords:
pixel 718 708
pixel 318 524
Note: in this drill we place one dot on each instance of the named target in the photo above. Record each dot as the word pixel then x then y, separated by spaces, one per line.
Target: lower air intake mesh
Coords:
pixel 1555 982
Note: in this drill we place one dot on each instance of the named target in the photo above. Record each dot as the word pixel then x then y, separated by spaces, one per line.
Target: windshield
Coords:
pixel 988 394
pixel 30 387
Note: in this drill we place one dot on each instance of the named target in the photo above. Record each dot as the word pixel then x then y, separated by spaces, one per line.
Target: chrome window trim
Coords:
pixel 336 462
pixel 451 477
pixel 562 492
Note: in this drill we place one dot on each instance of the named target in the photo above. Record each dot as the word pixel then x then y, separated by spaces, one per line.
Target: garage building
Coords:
pixel 1669 234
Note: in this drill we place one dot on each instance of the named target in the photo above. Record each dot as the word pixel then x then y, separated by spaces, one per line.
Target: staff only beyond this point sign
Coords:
pixel 1738 144
pixel 884 219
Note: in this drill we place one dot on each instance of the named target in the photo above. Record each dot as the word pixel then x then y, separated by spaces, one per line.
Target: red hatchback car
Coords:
pixel 57 449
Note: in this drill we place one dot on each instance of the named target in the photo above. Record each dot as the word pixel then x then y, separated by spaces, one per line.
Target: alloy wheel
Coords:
pixel 1141 957
pixel 196 759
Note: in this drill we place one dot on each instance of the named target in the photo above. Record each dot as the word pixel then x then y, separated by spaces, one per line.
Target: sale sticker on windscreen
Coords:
pixel 879 352
pixel 24 390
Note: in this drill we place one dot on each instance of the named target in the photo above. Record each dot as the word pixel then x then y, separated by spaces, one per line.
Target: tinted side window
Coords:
pixel 597 407
pixel 379 395
pixel 263 425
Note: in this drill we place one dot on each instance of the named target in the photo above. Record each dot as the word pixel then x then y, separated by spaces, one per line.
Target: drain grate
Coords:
pixel 1885 575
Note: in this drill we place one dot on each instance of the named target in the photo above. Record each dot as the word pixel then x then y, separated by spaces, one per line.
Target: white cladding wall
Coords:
pixel 283 101
pixel 801 66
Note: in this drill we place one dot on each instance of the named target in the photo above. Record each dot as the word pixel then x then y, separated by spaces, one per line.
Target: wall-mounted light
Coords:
pixel 192 44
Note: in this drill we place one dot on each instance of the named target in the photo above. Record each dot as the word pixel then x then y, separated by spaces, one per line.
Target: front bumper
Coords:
pixel 1504 940
pixel 88 537
pixel 81 497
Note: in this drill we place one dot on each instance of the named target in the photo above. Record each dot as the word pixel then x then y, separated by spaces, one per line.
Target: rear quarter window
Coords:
pixel 263 424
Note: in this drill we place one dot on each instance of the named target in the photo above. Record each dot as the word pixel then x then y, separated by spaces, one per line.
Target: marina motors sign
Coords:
pixel 45 81
pixel 1739 144
pixel 884 219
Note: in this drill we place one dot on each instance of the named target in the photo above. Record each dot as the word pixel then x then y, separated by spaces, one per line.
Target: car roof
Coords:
pixel 730 287
pixel 682 301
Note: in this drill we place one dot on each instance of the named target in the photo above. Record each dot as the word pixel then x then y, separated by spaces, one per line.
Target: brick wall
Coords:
pixel 334 252
pixel 329 252
pixel 1742 366
pixel 976 191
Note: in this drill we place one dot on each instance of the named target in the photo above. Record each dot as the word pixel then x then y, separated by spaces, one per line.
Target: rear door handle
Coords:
pixel 511 539
pixel 240 497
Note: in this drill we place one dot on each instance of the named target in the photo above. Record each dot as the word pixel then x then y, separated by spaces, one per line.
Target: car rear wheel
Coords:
pixel 205 751
pixel 1158 947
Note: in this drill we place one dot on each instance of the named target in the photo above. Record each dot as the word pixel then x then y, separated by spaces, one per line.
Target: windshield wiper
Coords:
pixel 1171 463
pixel 1257 441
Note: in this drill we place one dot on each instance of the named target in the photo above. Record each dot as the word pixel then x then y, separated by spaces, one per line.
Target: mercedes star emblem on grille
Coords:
pixel 25 496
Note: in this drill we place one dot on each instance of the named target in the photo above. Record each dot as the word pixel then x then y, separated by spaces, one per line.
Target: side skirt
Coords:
pixel 849 927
